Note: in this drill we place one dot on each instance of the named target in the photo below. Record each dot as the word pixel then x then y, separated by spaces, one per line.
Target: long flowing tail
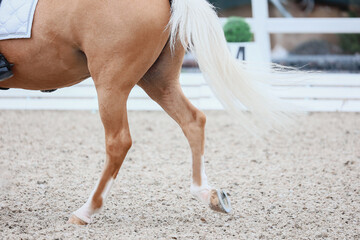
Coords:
pixel 236 84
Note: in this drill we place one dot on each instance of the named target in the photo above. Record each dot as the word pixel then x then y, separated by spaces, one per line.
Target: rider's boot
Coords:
pixel 5 68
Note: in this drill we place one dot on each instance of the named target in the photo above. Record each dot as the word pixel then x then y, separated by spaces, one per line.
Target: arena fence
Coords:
pixel 329 92
pixel 262 26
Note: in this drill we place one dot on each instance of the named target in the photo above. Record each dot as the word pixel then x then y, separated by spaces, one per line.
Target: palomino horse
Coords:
pixel 121 43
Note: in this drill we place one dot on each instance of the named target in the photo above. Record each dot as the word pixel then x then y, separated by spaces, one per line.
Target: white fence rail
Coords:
pixel 329 92
pixel 263 26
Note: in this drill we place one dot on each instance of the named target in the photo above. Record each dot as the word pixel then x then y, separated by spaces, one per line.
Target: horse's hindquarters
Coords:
pixel 131 40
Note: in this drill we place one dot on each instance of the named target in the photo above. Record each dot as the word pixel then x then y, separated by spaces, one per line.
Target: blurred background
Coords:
pixel 324 50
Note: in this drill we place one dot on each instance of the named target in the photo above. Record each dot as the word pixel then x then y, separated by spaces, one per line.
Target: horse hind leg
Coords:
pixel 112 107
pixel 161 83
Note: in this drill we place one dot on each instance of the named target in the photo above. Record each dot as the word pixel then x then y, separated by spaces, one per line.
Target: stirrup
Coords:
pixel 5 69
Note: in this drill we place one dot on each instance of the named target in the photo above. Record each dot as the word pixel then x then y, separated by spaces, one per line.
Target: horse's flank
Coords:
pixel 74 39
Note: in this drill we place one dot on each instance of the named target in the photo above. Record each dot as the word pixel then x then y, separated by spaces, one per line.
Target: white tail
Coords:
pixel 236 84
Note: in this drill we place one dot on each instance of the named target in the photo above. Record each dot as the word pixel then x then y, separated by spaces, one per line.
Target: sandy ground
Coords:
pixel 304 184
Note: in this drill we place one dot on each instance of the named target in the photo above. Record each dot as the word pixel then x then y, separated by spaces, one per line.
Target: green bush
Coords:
pixel 237 30
pixel 350 43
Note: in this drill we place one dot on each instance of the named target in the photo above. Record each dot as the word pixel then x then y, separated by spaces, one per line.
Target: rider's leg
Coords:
pixel 5 68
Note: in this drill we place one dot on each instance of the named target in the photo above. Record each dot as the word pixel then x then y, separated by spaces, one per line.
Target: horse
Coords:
pixel 123 43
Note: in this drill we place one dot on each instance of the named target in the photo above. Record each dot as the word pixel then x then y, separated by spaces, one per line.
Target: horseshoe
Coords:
pixel 220 201
pixel 224 201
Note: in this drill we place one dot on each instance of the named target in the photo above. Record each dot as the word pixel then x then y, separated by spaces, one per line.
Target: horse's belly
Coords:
pixel 43 66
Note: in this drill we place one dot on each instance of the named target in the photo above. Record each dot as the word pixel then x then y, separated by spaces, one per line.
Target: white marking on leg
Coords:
pixel 86 211
pixel 201 192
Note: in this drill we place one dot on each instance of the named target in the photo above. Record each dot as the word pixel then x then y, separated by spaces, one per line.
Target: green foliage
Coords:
pixel 350 43
pixel 237 30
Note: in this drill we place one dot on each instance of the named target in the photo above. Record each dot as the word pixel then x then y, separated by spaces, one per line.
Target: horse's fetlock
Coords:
pixel 97 204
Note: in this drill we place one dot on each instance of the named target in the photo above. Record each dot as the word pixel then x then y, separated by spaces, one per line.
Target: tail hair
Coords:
pixel 237 84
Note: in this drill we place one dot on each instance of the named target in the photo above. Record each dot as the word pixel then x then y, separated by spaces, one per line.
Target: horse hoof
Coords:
pixel 219 201
pixel 76 221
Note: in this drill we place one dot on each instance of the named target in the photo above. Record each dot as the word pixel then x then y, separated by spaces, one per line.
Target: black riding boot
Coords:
pixel 5 68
